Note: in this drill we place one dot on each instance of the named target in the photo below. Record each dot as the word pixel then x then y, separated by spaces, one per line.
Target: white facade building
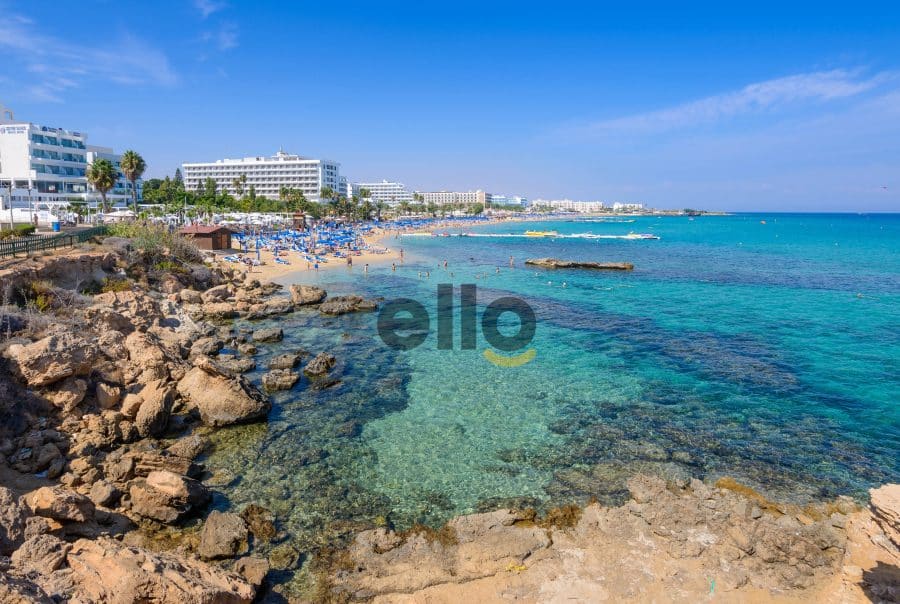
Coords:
pixel 121 191
pixel 458 198
pixel 571 205
pixel 513 200
pixel 627 207
pixel 390 193
pixel 267 175
pixel 41 165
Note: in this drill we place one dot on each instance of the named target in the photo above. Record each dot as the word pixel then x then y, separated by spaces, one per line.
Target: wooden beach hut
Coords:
pixel 209 237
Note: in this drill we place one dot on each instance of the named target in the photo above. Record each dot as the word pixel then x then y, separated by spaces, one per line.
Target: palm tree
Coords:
pixel 102 176
pixel 133 166
pixel 239 184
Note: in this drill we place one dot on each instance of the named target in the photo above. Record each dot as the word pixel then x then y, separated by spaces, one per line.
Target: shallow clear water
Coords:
pixel 769 352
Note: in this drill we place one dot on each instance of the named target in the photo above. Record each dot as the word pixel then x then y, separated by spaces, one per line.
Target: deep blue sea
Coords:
pixel 763 347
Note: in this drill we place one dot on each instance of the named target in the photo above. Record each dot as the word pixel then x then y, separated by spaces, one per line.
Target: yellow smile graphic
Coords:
pixel 514 361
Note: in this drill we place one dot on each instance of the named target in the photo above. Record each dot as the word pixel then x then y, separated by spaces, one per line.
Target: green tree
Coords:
pixel 240 185
pixel 133 167
pixel 102 175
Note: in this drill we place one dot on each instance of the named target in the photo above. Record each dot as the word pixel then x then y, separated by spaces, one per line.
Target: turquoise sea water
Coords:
pixel 768 352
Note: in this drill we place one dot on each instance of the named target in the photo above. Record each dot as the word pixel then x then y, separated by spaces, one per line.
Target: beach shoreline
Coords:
pixel 378 237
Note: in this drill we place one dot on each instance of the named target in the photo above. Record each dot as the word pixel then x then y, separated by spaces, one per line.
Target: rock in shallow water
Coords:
pixel 280 379
pixel 302 295
pixel 222 400
pixel 224 535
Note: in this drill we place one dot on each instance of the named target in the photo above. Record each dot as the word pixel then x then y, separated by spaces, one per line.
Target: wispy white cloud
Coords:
pixel 768 96
pixel 225 38
pixel 49 66
pixel 208 7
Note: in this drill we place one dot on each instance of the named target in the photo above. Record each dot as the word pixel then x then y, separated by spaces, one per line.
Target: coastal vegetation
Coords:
pixel 102 175
pixel 133 166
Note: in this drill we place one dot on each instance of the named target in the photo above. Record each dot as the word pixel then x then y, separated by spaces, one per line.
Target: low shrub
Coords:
pixel 156 242
pixel 38 295
pixel 115 284
pixel 21 230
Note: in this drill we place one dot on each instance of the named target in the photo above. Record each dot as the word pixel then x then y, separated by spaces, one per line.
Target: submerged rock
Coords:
pixel 557 263
pixel 268 334
pixel 346 304
pixel 288 360
pixel 320 364
pixel 224 535
pixel 280 379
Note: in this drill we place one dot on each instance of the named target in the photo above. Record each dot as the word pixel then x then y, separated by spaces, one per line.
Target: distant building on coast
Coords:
pixel 456 198
pixel 627 207
pixel 570 205
pixel 267 175
pixel 512 200
pixel 391 193
pixel 42 164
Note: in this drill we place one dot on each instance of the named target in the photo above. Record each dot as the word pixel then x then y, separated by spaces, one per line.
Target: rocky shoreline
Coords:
pixel 110 374
pixel 115 363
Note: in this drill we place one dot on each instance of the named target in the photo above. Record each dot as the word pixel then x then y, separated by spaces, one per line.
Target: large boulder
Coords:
pixel 320 364
pixel 167 497
pixel 105 570
pixel 54 358
pixel 108 395
pixel 141 310
pixel 60 503
pixel 68 394
pixel 218 311
pixel 220 293
pixel 253 569
pixel 221 399
pixel 41 553
pixel 206 346
pixel 224 535
pixel 148 358
pixel 301 295
pixel 346 304
pixel 153 414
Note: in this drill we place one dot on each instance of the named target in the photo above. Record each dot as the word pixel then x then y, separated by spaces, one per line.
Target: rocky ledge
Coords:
pixel 557 263
pixel 109 367
pixel 669 543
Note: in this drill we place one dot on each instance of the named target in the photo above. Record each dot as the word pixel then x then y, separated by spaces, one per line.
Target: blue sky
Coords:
pixel 771 107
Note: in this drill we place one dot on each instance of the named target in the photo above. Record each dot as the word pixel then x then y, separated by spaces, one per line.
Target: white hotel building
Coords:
pixel 267 175
pixel 458 198
pixel 40 164
pixel 571 205
pixel 390 193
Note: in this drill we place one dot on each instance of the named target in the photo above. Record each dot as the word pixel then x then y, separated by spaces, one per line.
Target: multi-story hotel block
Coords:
pixel 267 175
pixel 390 193
pixel 40 164
pixel 456 198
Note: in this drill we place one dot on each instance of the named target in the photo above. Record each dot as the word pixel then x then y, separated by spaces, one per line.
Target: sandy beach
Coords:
pixel 377 238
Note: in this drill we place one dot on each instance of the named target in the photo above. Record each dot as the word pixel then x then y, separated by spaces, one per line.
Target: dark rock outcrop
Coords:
pixel 557 263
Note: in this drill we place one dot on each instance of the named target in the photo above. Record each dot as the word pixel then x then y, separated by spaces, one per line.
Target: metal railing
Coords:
pixel 38 243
